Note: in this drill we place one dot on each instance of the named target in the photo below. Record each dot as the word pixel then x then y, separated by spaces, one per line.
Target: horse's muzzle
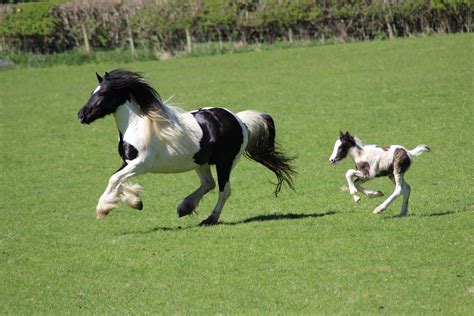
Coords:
pixel 82 116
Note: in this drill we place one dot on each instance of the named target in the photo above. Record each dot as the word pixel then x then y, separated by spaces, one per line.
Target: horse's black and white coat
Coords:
pixel 155 137
pixel 372 161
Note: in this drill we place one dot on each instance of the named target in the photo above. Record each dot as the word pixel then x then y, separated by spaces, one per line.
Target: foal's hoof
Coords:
pixel 379 210
pixel 208 221
pixel 185 208
pixel 356 198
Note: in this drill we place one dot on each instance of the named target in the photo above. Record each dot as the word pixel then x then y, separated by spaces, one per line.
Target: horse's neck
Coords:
pixel 127 116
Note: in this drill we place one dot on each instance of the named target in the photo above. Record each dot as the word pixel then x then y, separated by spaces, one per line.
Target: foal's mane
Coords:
pixel 146 97
pixel 358 142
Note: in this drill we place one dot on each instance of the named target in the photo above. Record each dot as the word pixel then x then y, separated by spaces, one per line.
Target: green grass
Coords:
pixel 309 251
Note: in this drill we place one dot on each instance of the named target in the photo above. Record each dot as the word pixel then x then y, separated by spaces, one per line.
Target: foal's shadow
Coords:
pixel 259 218
pixel 423 215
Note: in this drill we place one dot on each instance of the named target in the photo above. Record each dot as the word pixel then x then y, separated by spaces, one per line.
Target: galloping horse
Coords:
pixel 373 161
pixel 155 137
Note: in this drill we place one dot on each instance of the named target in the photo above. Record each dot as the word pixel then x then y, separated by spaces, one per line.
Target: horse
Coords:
pixel 155 137
pixel 372 161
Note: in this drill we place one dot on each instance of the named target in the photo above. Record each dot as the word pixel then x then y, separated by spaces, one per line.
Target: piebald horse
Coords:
pixel 372 161
pixel 156 137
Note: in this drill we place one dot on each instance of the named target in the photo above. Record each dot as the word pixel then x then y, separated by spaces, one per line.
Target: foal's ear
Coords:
pixel 341 134
pixel 99 77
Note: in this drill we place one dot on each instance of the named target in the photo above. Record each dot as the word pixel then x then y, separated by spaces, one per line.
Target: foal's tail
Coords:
pixel 262 147
pixel 418 150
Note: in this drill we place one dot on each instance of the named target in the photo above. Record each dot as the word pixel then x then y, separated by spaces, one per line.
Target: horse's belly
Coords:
pixel 173 164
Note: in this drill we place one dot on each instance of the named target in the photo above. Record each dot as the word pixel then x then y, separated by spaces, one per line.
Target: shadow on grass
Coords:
pixel 441 213
pixel 424 215
pixel 259 218
pixel 277 217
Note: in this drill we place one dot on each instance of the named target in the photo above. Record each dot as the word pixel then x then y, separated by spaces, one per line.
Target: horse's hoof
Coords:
pixel 101 215
pixel 185 208
pixel 208 221
pixel 102 210
pixel 379 194
pixel 139 206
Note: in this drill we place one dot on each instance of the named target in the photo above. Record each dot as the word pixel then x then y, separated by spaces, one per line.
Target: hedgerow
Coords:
pixel 175 25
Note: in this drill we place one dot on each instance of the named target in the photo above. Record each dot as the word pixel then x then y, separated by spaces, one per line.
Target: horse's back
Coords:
pixel 223 135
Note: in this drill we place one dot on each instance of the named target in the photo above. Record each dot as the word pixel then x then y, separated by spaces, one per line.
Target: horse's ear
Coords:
pixel 99 77
pixel 106 75
pixel 347 134
pixel 341 134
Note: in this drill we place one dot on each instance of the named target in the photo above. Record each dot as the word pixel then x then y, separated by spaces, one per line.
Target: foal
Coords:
pixel 371 162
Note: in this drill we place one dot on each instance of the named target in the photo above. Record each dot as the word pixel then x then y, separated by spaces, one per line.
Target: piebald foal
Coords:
pixel 371 162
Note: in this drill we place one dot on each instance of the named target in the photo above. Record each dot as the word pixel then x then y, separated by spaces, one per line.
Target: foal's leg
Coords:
pixel 190 202
pixel 223 175
pixel 352 188
pixel 406 190
pixel 111 196
pixel 397 179
pixel 369 193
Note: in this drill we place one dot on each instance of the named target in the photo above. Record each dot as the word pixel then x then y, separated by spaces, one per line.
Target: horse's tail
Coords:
pixel 263 148
pixel 418 150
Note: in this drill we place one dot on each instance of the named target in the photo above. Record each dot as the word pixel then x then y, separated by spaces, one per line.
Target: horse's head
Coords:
pixel 105 100
pixel 341 148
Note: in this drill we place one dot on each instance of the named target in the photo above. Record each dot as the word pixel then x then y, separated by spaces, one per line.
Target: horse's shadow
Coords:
pixel 259 218
pixel 277 217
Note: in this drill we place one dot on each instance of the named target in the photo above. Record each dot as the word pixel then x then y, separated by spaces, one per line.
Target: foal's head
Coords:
pixel 114 89
pixel 341 148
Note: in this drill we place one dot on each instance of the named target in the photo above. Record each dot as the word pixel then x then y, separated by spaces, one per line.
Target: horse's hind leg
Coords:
pixel 190 202
pixel 223 175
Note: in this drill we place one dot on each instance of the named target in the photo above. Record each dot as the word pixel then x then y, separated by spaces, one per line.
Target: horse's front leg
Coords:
pixel 352 188
pixel 369 193
pixel 191 202
pixel 112 194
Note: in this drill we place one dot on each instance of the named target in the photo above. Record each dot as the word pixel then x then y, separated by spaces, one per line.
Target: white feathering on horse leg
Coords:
pixel 103 209
pixel 131 195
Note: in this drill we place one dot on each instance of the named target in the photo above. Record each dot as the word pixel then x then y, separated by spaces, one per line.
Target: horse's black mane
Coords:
pixel 146 96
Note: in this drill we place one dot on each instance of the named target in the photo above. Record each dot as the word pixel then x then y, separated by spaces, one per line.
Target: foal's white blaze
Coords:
pixel 334 151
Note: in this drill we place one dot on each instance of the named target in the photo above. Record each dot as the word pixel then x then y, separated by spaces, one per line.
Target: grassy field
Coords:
pixel 309 251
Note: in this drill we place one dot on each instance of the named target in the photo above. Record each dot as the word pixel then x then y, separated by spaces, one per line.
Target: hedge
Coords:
pixel 174 25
